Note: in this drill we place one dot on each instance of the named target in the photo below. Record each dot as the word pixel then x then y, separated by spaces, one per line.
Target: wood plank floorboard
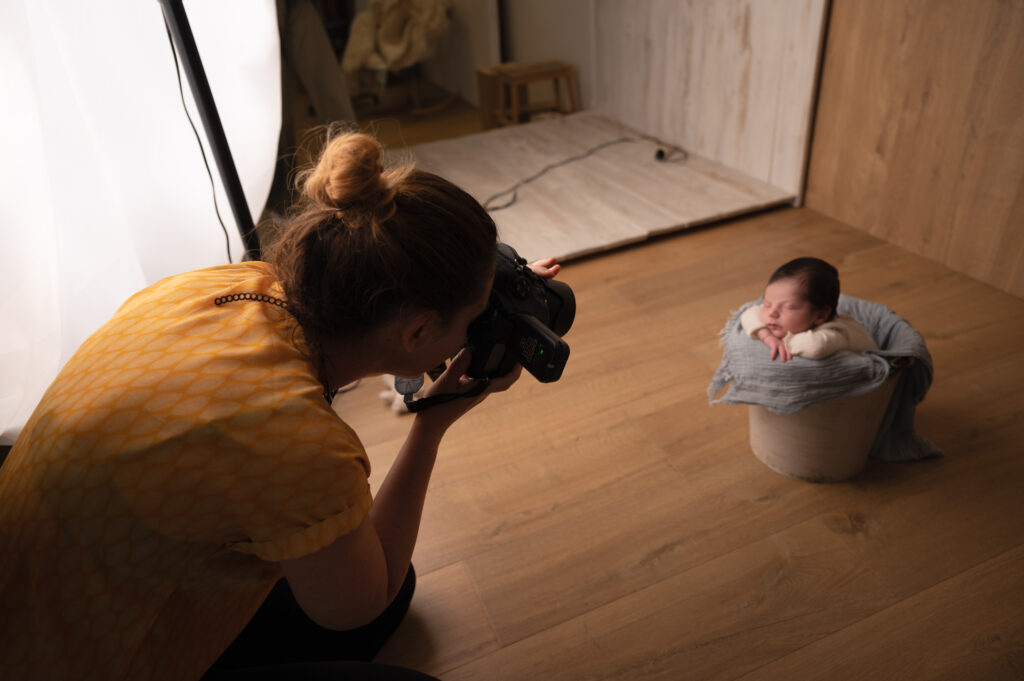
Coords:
pixel 613 525
pixel 967 627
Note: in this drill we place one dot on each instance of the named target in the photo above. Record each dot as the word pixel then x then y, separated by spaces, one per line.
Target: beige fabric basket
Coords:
pixel 826 442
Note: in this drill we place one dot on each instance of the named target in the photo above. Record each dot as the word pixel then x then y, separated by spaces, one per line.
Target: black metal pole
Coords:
pixel 181 32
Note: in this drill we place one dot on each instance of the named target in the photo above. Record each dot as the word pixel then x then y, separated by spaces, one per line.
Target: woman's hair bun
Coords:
pixel 350 171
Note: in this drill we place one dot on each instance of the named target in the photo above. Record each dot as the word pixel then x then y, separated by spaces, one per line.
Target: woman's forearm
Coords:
pixel 398 505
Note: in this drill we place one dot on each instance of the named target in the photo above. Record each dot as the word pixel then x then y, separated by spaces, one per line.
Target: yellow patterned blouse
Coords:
pixel 183 450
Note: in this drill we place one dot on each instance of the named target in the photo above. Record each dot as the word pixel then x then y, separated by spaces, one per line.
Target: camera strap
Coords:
pixel 407 387
pixel 419 405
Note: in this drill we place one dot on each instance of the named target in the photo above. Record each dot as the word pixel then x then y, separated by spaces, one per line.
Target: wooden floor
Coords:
pixel 405 128
pixel 613 525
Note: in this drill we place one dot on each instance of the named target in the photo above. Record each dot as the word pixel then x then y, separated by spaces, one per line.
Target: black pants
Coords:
pixel 281 642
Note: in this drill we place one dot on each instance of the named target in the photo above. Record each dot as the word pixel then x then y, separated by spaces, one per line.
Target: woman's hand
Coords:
pixel 546 268
pixel 440 417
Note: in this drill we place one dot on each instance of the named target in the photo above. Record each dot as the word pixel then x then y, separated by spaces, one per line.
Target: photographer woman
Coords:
pixel 186 460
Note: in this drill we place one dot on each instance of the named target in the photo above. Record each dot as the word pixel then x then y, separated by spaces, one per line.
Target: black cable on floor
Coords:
pixel 673 155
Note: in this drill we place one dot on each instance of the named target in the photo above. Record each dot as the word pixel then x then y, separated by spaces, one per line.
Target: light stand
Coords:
pixel 181 33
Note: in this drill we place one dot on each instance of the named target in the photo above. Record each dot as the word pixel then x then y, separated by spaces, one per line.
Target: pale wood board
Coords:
pixel 731 80
pixel 919 134
pixel 613 525
pixel 618 195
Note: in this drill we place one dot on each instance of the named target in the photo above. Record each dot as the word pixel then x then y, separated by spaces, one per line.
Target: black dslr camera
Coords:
pixel 523 323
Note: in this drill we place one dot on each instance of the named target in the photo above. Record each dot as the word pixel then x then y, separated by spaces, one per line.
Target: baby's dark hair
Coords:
pixel 820 282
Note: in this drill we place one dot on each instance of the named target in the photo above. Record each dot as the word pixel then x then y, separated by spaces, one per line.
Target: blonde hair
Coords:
pixel 365 242
pixel 350 173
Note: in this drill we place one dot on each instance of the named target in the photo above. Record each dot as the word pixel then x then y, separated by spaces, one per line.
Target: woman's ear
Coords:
pixel 417 329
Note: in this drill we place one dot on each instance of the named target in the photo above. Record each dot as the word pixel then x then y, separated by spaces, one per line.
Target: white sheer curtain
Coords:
pixel 102 186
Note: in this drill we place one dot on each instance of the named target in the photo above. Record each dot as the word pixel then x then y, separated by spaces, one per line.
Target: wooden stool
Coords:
pixel 513 96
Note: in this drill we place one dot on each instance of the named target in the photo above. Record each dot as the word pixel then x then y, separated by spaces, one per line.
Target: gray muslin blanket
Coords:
pixel 788 387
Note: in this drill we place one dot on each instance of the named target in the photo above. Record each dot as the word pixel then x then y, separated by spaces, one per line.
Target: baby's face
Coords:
pixel 786 309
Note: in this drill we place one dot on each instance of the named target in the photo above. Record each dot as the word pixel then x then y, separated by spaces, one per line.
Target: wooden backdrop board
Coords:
pixel 617 195
pixel 732 80
pixel 919 135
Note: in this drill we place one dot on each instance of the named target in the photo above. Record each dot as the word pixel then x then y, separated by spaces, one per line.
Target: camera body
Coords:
pixel 523 323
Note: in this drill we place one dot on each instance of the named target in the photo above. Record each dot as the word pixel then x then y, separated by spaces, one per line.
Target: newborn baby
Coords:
pixel 798 314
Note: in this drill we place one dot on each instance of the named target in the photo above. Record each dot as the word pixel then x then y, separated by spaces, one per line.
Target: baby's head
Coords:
pixel 800 295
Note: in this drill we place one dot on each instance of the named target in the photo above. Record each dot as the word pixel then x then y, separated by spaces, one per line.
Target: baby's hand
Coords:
pixel 776 344
pixel 546 268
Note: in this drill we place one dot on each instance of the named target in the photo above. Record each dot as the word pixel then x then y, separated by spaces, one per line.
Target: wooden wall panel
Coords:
pixel 919 134
pixel 730 80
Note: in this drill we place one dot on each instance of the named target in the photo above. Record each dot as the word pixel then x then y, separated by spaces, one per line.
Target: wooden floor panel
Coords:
pixel 968 627
pixel 613 525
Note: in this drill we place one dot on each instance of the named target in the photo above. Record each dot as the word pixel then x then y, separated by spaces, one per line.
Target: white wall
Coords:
pixel 542 30
pixel 473 41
